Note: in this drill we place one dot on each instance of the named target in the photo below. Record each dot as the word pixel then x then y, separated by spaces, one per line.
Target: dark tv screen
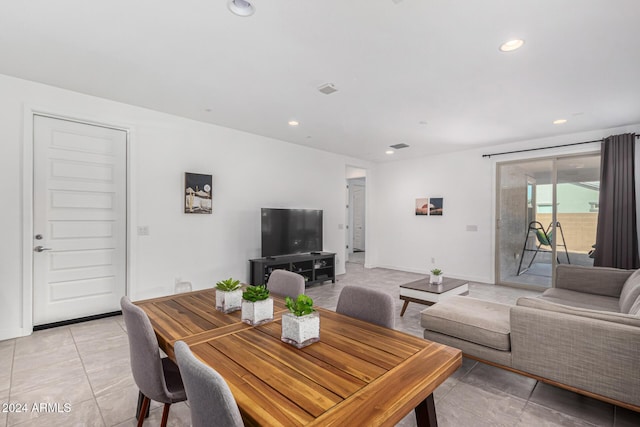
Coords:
pixel 291 231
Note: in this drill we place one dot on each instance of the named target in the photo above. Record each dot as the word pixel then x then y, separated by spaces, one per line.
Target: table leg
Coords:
pixel 404 308
pixel 139 407
pixel 426 413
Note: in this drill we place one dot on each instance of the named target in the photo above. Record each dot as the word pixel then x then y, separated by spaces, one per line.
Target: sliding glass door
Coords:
pixel 546 214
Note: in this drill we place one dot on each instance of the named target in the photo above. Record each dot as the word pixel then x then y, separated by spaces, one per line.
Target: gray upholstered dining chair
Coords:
pixel 210 399
pixel 367 304
pixel 157 378
pixel 286 283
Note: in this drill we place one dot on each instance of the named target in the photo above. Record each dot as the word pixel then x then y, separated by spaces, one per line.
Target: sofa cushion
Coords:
pixel 609 316
pixel 478 321
pixel 630 292
pixel 581 300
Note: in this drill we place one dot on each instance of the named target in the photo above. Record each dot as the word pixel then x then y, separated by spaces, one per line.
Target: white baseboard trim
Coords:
pixel 477 279
pixel 7 334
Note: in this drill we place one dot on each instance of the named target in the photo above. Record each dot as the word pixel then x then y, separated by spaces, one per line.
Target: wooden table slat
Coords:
pixel 393 344
pixel 307 394
pixel 322 373
pixel 188 319
pixel 256 399
pixel 410 383
pixel 344 361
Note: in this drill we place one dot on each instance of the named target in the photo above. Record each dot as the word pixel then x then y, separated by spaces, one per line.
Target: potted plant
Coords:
pixel 228 295
pixel 436 276
pixel 301 326
pixel 257 307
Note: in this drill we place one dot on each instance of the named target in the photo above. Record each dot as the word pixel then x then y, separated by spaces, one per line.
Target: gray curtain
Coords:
pixel 617 235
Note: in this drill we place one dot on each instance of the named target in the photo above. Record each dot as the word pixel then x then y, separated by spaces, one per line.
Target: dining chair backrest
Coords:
pixel 146 364
pixel 210 399
pixel 370 305
pixel 286 283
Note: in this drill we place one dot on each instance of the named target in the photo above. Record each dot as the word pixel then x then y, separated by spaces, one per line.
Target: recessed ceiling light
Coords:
pixel 511 45
pixel 293 123
pixel 388 152
pixel 241 7
pixel 560 121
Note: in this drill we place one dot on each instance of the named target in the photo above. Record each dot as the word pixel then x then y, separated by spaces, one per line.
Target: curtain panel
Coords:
pixel 617 231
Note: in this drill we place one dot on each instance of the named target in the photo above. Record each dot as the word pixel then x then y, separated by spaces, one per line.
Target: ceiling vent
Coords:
pixel 327 88
pixel 399 146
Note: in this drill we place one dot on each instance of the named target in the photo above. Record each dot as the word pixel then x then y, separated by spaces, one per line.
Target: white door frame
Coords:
pixel 27 204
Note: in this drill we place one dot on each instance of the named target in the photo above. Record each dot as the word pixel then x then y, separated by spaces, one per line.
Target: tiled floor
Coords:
pixel 87 366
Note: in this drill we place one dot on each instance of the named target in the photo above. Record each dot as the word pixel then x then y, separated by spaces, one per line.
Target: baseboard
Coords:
pixel 74 321
pixel 476 279
pixel 7 334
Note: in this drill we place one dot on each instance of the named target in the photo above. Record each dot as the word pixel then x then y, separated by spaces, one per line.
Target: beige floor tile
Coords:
pixel 539 416
pixel 179 416
pixel 83 414
pixel 116 358
pixel 96 330
pixel 70 390
pixel 43 341
pixel 4 399
pixel 41 375
pixel 494 406
pixel 119 405
pixel 111 378
pixel 66 353
pixel 103 345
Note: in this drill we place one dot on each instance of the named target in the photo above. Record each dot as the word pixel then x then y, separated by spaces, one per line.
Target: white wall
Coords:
pixel 466 180
pixel 249 172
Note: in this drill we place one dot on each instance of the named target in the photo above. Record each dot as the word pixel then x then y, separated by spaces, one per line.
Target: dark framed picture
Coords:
pixel 197 193
pixel 436 205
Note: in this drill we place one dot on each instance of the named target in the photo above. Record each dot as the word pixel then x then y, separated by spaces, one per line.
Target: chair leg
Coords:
pixel 165 415
pixel 143 411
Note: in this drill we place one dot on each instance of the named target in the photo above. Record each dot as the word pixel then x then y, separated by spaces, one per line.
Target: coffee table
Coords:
pixel 423 292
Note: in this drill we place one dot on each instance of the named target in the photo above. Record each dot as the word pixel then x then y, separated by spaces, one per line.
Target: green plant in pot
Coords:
pixel 228 295
pixel 257 307
pixel 301 326
pixel 436 276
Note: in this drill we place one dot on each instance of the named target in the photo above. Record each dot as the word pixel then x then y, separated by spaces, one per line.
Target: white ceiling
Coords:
pixel 395 63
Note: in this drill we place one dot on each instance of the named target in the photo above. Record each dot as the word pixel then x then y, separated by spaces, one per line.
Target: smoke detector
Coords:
pixel 327 88
pixel 399 146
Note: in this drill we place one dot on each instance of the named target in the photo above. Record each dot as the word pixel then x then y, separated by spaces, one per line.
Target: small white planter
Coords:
pixel 435 280
pixel 258 312
pixel 301 331
pixel 228 301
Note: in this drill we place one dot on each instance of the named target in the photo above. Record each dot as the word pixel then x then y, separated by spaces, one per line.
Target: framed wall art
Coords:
pixel 436 206
pixel 422 206
pixel 197 193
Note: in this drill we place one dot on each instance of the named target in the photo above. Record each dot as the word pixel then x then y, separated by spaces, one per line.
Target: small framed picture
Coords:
pixel 436 206
pixel 422 206
pixel 197 193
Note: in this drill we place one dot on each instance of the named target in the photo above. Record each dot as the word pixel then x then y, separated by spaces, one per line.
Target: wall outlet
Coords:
pixel 143 230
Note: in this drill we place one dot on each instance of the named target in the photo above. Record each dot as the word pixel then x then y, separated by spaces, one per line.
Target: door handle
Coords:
pixel 41 249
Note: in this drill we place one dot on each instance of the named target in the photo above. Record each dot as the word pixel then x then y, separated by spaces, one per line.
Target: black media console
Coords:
pixel 315 267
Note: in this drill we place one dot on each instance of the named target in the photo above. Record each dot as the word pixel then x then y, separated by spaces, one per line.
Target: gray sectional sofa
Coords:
pixel 582 335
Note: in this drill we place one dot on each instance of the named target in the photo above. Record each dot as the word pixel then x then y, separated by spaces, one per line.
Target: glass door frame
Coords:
pixel 554 212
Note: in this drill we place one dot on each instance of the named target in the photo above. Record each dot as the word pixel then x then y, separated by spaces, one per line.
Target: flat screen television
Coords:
pixel 290 231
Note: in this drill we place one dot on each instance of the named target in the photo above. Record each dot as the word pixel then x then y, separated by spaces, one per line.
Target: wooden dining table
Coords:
pixel 358 374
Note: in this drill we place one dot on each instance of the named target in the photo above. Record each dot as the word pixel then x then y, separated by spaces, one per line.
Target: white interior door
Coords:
pixel 79 264
pixel 358 217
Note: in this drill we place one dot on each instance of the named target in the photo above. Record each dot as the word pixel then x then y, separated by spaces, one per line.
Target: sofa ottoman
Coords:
pixel 479 328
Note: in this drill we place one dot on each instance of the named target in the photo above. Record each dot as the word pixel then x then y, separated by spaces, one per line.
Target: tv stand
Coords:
pixel 315 267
